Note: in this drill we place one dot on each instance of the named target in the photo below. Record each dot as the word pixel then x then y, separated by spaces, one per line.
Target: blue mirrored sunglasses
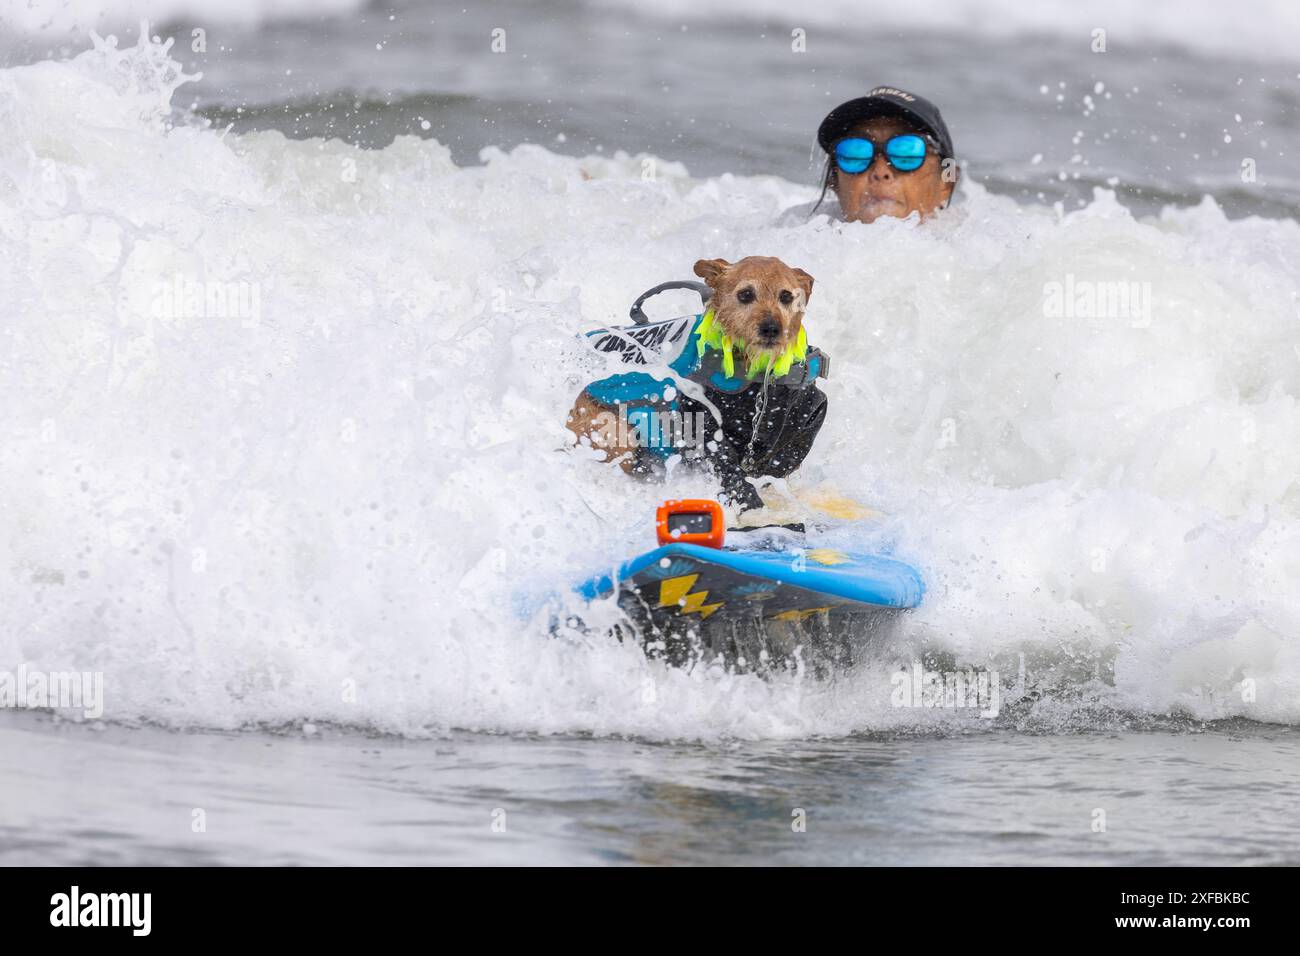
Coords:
pixel 904 152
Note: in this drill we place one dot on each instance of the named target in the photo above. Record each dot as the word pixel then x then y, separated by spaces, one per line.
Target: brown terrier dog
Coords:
pixel 759 301
pixel 758 306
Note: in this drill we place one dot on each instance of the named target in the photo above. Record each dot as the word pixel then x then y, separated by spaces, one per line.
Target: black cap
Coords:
pixel 885 101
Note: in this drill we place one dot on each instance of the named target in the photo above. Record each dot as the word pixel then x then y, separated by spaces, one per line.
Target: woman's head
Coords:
pixel 889 153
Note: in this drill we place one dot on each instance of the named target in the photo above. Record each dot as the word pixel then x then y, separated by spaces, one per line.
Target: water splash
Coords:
pixel 318 507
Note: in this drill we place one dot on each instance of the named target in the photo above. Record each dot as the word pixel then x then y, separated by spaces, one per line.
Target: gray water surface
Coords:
pixel 728 96
pixel 728 93
pixel 96 795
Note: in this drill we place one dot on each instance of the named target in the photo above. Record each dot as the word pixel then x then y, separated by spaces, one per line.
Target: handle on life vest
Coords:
pixel 690 521
pixel 639 317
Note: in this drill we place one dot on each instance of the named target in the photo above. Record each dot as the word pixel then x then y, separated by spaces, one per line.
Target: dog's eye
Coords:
pixel 786 296
pixel 745 296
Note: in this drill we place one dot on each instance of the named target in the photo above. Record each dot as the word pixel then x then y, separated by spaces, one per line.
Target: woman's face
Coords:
pixel 881 190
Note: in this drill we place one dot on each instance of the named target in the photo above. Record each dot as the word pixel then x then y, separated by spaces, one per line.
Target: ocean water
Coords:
pixel 287 350
pixel 1217 796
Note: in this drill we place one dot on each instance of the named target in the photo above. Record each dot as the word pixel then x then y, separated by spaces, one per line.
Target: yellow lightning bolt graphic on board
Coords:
pixel 675 592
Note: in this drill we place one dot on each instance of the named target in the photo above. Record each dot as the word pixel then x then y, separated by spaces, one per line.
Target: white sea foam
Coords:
pixel 321 511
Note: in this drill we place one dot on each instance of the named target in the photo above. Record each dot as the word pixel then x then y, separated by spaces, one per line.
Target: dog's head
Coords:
pixel 759 300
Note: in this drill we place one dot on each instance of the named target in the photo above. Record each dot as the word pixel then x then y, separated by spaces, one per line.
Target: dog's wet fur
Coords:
pixel 758 301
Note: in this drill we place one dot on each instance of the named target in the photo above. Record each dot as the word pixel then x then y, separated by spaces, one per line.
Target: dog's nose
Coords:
pixel 769 328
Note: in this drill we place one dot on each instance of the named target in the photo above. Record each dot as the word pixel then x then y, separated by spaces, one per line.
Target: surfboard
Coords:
pixel 758 606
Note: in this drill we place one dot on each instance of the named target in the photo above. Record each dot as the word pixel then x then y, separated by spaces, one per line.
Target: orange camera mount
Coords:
pixel 690 521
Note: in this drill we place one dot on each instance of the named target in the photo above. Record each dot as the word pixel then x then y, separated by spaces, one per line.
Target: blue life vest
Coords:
pixel 674 343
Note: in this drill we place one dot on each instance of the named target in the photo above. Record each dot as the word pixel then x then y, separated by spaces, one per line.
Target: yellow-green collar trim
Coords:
pixel 710 336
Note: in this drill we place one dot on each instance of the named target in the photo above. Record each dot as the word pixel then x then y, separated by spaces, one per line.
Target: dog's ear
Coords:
pixel 805 283
pixel 710 269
